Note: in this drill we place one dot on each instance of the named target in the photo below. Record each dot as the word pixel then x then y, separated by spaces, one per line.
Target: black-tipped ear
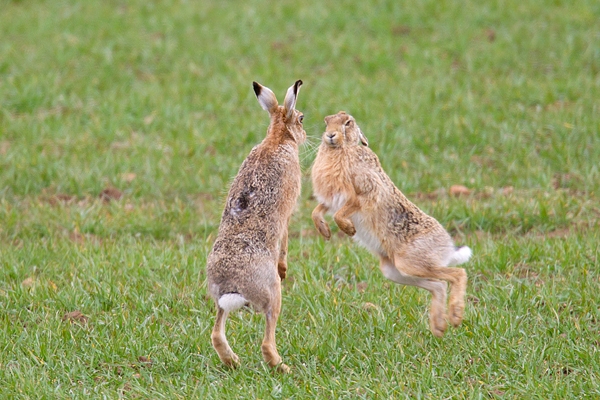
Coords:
pixel 289 103
pixel 297 86
pixel 257 88
pixel 266 97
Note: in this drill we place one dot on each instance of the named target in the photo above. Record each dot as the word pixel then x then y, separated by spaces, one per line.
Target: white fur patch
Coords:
pixel 365 237
pixel 232 301
pixel 461 255
pixel 337 202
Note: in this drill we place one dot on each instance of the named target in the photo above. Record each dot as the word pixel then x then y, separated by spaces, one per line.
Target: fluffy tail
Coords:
pixel 232 301
pixel 460 255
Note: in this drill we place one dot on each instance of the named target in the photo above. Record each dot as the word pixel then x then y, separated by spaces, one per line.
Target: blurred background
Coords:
pixel 495 94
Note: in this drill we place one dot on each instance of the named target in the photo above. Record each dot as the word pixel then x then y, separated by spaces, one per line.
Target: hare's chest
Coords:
pixel 333 203
pixel 337 202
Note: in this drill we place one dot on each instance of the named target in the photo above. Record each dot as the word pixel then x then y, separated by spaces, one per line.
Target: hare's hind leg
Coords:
pixel 457 277
pixel 219 340
pixel 269 348
pixel 437 311
pixel 456 305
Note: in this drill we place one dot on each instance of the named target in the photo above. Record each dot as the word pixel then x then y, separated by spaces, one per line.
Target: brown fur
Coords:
pixel 249 256
pixel 414 249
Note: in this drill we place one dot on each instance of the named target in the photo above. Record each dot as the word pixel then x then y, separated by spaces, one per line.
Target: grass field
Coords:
pixel 122 123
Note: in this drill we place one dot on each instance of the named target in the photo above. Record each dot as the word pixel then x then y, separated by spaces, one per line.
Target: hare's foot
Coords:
pixel 437 313
pixel 268 347
pixel 227 356
pixel 282 269
pixel 231 360
pixel 219 340
pixel 284 369
pixel 346 226
pixel 323 229
pixel 273 358
pixel 319 221
pixel 438 330
pixel 456 310
pixel 437 322
pixel 456 306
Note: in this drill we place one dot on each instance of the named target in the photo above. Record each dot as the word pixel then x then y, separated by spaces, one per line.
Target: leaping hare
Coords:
pixel 249 257
pixel 413 248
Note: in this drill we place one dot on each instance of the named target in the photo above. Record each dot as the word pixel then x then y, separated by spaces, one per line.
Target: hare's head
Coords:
pixel 342 131
pixel 285 120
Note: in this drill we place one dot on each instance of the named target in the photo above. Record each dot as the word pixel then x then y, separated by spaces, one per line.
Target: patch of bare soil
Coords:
pixel 459 190
pixel 75 317
pixel 109 194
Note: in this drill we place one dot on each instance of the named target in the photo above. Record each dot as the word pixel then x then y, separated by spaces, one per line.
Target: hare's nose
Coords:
pixel 330 134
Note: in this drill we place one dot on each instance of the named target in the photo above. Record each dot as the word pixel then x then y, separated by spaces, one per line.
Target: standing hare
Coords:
pixel 249 256
pixel 413 248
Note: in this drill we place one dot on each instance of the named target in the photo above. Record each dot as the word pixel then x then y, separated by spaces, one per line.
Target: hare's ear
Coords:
pixel 266 97
pixel 363 138
pixel 289 104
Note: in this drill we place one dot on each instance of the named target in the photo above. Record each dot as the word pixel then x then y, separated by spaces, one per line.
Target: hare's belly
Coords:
pixel 365 236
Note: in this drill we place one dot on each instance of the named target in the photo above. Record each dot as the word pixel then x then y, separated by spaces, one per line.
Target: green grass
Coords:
pixel 155 99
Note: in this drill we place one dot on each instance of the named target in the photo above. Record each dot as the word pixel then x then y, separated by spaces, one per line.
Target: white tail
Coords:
pixel 232 301
pixel 460 255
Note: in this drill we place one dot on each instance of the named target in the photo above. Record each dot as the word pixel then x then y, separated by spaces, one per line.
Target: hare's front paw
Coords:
pixel 347 227
pixel 282 269
pixel 323 229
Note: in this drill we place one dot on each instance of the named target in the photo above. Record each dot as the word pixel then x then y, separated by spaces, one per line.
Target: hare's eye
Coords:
pixel 348 122
pixel 301 118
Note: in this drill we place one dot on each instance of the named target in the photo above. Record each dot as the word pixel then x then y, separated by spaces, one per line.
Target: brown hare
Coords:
pixel 413 248
pixel 249 257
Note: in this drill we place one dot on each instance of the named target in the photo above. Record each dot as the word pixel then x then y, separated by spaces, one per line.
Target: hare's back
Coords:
pixel 262 188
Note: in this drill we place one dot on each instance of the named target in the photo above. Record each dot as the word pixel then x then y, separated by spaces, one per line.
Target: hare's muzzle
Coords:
pixel 330 138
